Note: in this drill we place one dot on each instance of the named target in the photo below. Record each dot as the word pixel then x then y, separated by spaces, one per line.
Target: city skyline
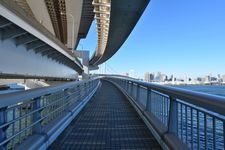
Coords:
pixel 179 37
pixel 111 70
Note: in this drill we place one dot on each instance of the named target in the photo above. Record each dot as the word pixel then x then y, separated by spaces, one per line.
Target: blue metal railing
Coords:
pixel 179 118
pixel 39 114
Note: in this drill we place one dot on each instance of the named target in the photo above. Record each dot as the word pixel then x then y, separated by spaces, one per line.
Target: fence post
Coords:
pixel 127 85
pixel 138 93
pixel 3 119
pixel 79 92
pixel 131 84
pixel 148 102
pixel 173 116
pixel 37 128
pixel 67 98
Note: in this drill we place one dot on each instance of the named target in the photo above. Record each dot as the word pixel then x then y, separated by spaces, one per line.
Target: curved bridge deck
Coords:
pixel 107 122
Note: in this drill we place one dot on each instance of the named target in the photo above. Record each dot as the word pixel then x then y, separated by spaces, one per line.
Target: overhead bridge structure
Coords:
pixel 46 39
pixel 115 21
pixel 28 49
pixel 39 38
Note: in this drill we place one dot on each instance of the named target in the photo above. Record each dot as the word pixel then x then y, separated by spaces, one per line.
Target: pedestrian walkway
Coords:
pixel 107 122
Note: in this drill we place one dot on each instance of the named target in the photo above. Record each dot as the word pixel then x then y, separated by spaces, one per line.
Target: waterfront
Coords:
pixel 189 119
pixel 210 89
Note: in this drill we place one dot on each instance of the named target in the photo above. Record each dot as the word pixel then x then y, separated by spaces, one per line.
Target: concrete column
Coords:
pixel 85 61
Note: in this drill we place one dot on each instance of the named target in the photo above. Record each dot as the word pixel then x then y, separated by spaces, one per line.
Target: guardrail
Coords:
pixel 178 118
pixel 33 119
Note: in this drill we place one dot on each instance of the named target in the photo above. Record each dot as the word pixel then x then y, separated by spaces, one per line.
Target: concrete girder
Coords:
pixel 4 22
pixel 49 55
pixel 43 49
pixel 39 46
pixel 28 64
pixel 15 26
pixel 58 58
pixel 12 33
pixel 54 55
pixel 10 11
pixel 62 60
pixel 46 52
pixel 123 18
pixel 35 44
pixel 25 39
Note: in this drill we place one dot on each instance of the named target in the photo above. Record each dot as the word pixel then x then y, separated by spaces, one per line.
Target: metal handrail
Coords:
pixel 178 118
pixel 23 96
pixel 58 101
pixel 208 101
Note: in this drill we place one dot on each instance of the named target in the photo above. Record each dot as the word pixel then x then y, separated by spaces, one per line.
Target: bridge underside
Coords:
pixel 29 50
pixel 123 17
pixel 29 64
pixel 107 122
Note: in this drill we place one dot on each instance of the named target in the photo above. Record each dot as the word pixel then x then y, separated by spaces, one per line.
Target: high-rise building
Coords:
pixel 223 78
pixel 147 77
pixel 151 77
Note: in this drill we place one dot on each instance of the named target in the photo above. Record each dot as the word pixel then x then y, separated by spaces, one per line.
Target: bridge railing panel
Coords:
pixel 186 118
pixel 28 113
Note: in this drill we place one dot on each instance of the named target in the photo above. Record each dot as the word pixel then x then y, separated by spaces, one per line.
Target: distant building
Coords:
pixel 213 79
pixel 162 77
pixel 223 78
pixel 148 77
pixel 207 79
pixel 171 78
pixel 199 79
pixel 219 76
pixel 151 77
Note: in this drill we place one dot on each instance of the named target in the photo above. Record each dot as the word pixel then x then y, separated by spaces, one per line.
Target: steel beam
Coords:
pixel 4 22
pixel 46 52
pixel 52 53
pixel 25 39
pixel 35 44
pixel 58 57
pixel 55 55
pixel 21 24
pixel 42 48
pixel 12 33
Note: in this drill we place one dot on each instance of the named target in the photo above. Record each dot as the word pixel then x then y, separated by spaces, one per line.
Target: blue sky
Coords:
pixel 180 37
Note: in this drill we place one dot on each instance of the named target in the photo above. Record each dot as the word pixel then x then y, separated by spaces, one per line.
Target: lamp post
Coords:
pixel 72 42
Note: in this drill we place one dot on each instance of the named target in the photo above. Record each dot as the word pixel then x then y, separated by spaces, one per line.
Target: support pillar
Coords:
pixel 84 55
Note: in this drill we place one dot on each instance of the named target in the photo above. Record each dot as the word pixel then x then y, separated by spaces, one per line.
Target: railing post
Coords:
pixel 131 84
pixel 173 116
pixel 122 84
pixel 148 102
pixel 126 85
pixel 138 92
pixel 67 99
pixel 85 89
pixel 88 86
pixel 3 119
pixel 79 92
pixel 37 128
